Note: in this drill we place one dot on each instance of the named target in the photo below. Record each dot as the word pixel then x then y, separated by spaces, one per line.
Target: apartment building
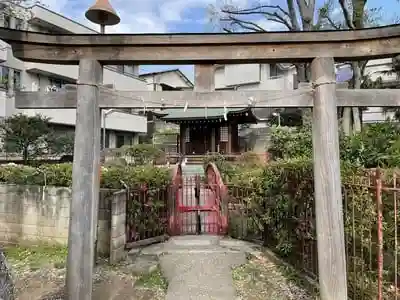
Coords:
pixel 122 127
pixel 374 69
pixel 230 77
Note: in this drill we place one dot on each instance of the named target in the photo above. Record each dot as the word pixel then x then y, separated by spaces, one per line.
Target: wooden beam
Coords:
pixel 207 54
pixel 204 78
pixel 12 35
pixel 85 183
pixel 204 81
pixel 327 185
pixel 175 99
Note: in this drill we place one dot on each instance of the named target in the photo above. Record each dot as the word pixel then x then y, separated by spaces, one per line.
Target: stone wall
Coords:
pixel 41 214
pixel 118 227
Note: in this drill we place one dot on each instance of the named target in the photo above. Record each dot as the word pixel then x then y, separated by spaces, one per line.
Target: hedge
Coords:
pixel 376 145
pixel 139 154
pixel 276 203
pixel 61 175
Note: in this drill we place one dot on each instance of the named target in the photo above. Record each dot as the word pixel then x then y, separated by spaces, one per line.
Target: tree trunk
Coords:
pixel 346 121
pixel 6 281
pixel 306 9
pixel 352 116
pixel 357 85
pixel 25 155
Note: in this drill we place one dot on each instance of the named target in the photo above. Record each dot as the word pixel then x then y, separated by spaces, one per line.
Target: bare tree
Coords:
pixel 297 15
pixel 352 15
pixel 303 15
pixel 234 18
pixel 13 8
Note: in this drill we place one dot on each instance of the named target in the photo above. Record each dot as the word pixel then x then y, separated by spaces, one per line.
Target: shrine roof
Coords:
pixel 199 113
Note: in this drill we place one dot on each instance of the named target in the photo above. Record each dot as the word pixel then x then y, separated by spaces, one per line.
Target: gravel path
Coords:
pixel 214 268
pixel 198 268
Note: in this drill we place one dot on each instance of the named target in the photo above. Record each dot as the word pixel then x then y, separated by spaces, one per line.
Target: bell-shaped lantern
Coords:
pixel 102 13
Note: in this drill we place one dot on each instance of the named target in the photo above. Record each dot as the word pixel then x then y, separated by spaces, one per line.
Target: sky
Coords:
pixel 170 16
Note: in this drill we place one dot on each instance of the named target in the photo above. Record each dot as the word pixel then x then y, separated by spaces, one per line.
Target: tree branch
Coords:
pixel 244 24
pixel 293 15
pixel 346 14
pixel 271 16
pixel 254 10
pixel 307 13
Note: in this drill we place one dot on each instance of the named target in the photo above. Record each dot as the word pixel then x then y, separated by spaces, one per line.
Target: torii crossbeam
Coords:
pixel 205 50
pixel 108 98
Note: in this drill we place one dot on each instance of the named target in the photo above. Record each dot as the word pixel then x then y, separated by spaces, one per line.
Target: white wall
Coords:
pixel 120 81
pixel 115 121
pixel 252 77
pixel 41 15
pixel 170 78
pixel 36 75
pixel 374 69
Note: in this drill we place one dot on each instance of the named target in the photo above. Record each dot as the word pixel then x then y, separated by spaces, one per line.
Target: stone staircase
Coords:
pixel 194 159
pixel 191 170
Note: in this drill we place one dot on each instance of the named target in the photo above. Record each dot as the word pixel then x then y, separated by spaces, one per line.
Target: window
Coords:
pixel 223 133
pixel 57 82
pixel 120 140
pixel 120 68
pixel 187 135
pixel 7 22
pixel 17 79
pixel 275 71
pixel 4 75
pixel 19 24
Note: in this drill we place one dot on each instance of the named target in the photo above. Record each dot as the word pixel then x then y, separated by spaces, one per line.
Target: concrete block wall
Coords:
pixel 36 214
pixel 118 227
pixel 104 223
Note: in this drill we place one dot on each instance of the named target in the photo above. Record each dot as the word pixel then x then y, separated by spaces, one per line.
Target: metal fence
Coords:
pixel 147 213
pixel 370 207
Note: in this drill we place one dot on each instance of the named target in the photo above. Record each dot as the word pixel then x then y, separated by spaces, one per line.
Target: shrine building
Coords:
pixel 202 131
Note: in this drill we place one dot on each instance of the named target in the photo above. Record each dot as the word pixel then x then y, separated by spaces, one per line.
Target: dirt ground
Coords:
pixel 39 274
pixel 261 279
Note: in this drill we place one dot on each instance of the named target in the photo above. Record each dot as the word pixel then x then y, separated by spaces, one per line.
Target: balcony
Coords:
pixel 115 121
pixel 121 81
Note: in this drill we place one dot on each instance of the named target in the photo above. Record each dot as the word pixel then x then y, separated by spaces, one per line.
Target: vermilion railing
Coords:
pixel 215 183
pixel 174 196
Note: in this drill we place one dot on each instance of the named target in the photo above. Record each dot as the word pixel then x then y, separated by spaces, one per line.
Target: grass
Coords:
pixel 37 256
pixel 260 279
pixel 153 280
pixel 295 277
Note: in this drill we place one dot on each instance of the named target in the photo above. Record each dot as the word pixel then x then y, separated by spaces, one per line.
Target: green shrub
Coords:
pixel 116 162
pixel 226 168
pixel 135 176
pixel 143 153
pixel 247 164
pixel 61 175
pixel 376 145
pixel 279 202
pixel 250 159
pixel 290 142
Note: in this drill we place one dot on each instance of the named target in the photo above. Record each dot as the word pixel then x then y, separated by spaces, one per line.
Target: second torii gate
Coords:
pixel 206 50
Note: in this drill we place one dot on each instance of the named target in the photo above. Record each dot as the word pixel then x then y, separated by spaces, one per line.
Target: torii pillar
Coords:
pixel 82 238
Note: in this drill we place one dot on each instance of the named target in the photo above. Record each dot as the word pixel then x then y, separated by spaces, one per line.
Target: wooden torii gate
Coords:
pixel 320 49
